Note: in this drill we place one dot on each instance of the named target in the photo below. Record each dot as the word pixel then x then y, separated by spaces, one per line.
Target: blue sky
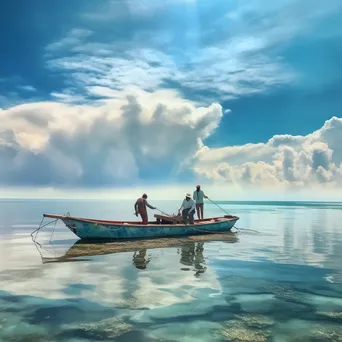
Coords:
pixel 273 66
pixel 312 53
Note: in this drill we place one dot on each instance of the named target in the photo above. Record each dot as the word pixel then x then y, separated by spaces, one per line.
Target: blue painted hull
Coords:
pixel 105 230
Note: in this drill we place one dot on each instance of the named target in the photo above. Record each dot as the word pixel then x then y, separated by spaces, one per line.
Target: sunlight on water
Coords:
pixel 278 279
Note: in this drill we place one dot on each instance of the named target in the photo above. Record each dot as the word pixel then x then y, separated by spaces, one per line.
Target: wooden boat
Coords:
pixel 164 226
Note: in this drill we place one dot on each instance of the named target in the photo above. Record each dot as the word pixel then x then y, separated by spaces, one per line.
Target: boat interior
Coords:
pixel 160 219
pixel 178 219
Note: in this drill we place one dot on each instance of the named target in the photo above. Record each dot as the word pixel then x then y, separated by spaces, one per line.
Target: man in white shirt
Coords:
pixel 198 197
pixel 189 207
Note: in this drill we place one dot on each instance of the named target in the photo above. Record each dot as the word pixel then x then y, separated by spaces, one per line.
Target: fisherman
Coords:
pixel 140 208
pixel 189 207
pixel 198 197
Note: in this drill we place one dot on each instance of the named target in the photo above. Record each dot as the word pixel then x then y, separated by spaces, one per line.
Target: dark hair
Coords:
pixel 144 196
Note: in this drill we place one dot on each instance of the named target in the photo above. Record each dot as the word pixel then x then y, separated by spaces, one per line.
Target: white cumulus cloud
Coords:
pixel 284 161
pixel 119 142
pixel 123 140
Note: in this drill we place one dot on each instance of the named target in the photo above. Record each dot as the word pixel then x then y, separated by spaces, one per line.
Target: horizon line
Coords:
pixel 128 199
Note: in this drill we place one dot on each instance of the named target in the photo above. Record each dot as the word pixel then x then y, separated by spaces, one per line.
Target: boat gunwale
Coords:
pixel 138 224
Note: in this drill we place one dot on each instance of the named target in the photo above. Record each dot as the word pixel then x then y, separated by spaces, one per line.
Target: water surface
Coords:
pixel 278 279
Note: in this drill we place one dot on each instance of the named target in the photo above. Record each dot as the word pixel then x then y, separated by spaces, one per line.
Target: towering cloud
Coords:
pixel 120 142
pixel 124 141
pixel 295 161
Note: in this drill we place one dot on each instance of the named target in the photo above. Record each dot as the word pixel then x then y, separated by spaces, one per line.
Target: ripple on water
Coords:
pixel 13 328
pixel 278 285
pixel 264 304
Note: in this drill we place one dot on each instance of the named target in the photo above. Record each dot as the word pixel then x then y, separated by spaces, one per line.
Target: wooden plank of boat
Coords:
pixel 86 228
pixel 162 219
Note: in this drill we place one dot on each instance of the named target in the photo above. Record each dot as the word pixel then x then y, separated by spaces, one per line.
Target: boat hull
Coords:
pixel 103 230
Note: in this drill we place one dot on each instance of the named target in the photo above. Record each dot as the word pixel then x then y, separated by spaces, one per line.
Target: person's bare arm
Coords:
pixel 149 205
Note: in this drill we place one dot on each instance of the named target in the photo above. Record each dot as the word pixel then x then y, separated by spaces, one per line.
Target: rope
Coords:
pixel 238 229
pixel 163 212
pixel 219 206
pixel 53 230
pixel 246 230
pixel 41 226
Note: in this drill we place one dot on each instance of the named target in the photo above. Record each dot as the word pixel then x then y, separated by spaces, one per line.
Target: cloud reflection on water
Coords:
pixel 289 273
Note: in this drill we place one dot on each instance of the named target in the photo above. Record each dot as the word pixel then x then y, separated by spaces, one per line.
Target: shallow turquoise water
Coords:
pixel 281 283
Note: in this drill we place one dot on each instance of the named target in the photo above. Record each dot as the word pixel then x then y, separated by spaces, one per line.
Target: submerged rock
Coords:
pixel 108 328
pixel 131 302
pixel 244 335
pixel 285 292
pixel 327 334
pixel 237 331
pixel 299 330
pixel 256 320
pixel 183 331
pixel 336 316
pixel 266 304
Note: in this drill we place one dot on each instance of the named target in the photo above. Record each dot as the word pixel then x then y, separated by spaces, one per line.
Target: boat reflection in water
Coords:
pixel 190 249
pixel 140 261
pixel 192 255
